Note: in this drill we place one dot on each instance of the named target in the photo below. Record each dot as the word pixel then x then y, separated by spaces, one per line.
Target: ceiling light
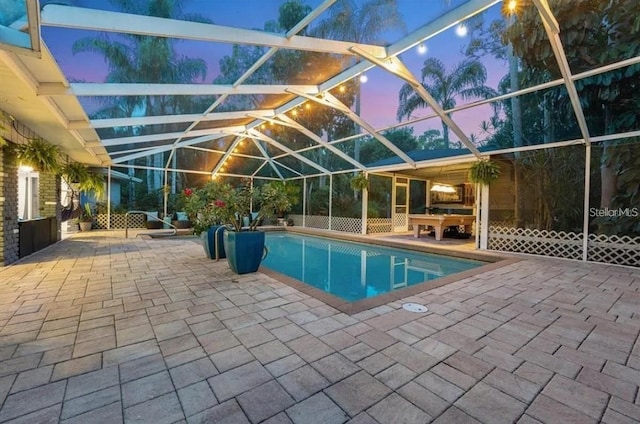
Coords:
pixel 461 30
pixel 422 48
pixel 443 188
pixel 364 78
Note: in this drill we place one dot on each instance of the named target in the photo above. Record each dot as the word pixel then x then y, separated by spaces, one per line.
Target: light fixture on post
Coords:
pixel 422 49
pixel 364 78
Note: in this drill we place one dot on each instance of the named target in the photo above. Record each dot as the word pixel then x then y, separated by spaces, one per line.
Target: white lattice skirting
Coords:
pixel 620 250
pixel 118 221
pixel 379 225
pixel 338 223
pixel 623 250
pixel 538 242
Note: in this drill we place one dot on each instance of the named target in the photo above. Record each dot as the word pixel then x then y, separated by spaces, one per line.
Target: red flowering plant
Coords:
pixel 202 208
pixel 241 208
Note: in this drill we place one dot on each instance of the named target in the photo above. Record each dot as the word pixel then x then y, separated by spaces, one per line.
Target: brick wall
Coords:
pixel 8 208
pixel 50 197
pixel 15 132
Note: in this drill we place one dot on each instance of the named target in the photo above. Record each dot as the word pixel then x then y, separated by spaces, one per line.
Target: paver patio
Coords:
pixel 103 329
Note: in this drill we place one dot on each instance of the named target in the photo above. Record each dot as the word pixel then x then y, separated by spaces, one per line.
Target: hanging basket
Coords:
pixel 359 181
pixel 484 171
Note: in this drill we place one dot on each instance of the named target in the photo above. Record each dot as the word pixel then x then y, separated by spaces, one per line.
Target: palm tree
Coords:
pixel 360 23
pixel 466 81
pixel 147 59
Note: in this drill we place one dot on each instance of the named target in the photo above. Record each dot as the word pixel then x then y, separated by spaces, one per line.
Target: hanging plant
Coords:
pixel 87 181
pixel 484 171
pixel 359 181
pixel 93 183
pixel 74 172
pixel 39 155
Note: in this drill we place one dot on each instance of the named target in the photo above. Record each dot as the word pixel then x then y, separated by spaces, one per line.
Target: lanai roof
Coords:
pixel 255 107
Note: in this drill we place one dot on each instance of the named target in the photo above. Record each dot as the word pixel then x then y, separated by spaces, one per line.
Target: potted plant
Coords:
pixel 280 195
pixel 206 219
pixel 244 245
pixel 484 171
pixel 86 217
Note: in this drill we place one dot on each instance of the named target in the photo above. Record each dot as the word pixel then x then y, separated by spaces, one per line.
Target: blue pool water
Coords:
pixel 355 271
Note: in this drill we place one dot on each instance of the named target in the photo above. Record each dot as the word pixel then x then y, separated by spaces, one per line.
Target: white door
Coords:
pixel 401 206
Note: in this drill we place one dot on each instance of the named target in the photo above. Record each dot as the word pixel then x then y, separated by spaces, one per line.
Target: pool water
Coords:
pixel 355 271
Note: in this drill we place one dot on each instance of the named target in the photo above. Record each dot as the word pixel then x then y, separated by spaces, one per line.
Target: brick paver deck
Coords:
pixel 102 329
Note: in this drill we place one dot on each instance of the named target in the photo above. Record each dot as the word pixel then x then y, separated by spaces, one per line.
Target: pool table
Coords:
pixel 439 223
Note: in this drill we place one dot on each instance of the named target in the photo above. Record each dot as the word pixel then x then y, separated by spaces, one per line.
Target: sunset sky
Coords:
pixel 379 94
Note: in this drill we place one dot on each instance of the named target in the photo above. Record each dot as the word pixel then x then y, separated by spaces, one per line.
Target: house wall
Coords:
pixel 49 190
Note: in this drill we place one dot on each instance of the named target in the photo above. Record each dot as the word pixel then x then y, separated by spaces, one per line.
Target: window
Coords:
pixel 28 193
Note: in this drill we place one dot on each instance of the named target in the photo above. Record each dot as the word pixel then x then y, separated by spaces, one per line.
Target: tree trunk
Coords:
pixel 608 178
pixel 445 135
pixel 516 120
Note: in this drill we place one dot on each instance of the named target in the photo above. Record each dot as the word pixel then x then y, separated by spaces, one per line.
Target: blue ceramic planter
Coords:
pixel 210 239
pixel 245 250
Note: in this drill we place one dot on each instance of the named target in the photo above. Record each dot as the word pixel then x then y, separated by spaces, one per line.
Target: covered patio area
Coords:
pixel 98 328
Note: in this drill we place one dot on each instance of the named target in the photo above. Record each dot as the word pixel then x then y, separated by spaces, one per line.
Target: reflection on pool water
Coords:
pixel 355 271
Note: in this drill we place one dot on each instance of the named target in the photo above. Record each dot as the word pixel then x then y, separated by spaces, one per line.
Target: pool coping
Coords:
pixel 348 307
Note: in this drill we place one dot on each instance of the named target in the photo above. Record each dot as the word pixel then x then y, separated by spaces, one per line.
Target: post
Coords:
pixel 365 209
pixel 330 199
pixel 587 184
pixel 304 202
pixel 109 197
pixel 484 218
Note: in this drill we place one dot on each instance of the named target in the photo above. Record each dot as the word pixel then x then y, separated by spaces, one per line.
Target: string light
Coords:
pixel 422 48
pixel 461 30
pixel 364 78
pixel 342 89
pixel 512 5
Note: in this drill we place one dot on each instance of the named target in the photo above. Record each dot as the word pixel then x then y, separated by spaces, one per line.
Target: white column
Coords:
pixel 587 183
pixel 304 202
pixel 109 198
pixel 330 199
pixel 484 218
pixel 365 201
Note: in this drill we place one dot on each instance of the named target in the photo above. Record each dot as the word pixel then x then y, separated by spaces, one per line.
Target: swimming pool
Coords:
pixel 355 271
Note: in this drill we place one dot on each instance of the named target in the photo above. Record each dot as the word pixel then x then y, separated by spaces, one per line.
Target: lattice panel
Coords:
pixel 538 242
pixel 400 220
pixel 379 225
pixel 297 219
pixel 317 221
pixel 118 221
pixel 623 250
pixel 347 225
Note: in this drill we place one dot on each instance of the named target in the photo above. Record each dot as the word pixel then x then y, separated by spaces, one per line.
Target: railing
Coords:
pixel 149 215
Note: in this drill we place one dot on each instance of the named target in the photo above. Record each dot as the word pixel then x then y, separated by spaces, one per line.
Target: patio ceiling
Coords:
pixel 237 119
